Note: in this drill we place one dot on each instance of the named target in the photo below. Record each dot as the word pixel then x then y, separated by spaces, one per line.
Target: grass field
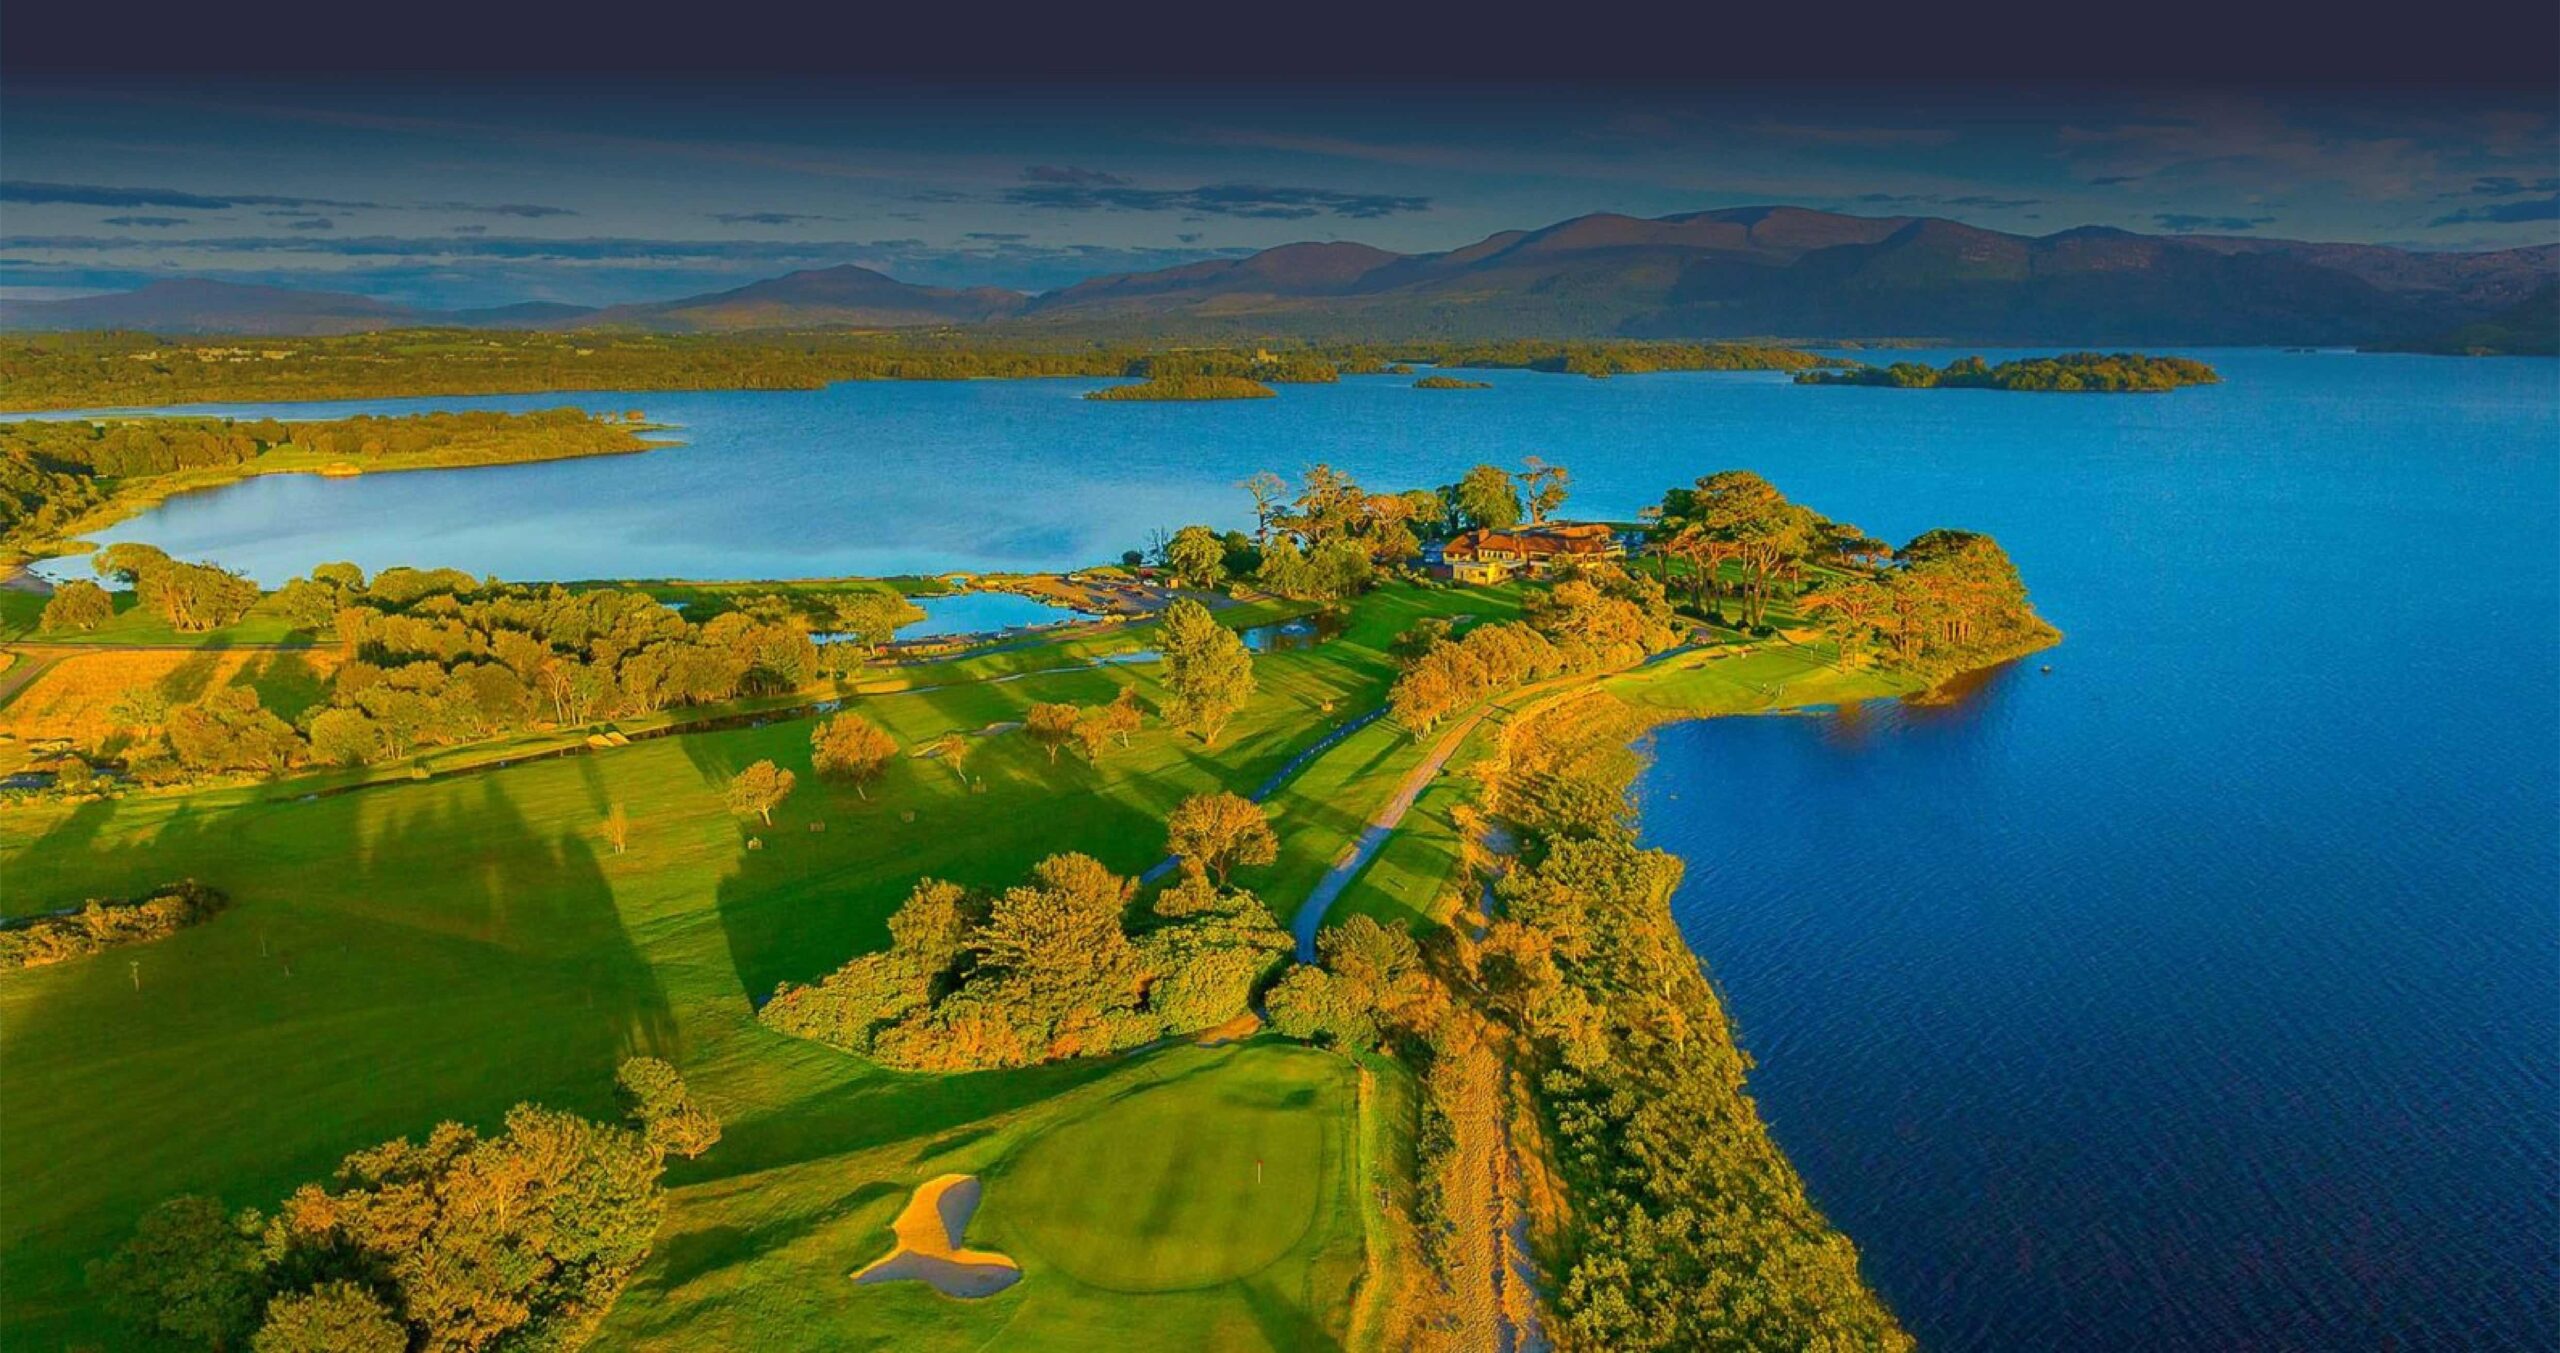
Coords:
pixel 75 697
pixel 444 948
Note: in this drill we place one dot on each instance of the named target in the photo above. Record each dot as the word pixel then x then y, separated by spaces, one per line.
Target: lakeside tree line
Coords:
pixel 1575 1038
pixel 73 371
pixel 2070 373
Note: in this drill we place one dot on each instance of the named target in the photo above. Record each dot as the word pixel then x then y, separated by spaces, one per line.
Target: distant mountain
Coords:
pixel 2531 328
pixel 1791 272
pixel 196 306
pixel 1779 272
pixel 841 296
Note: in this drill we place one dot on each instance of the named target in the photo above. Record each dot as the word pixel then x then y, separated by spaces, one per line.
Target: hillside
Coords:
pixel 1786 271
pixel 2531 328
pixel 843 295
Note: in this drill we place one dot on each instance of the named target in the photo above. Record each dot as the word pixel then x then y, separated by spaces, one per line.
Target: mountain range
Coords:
pixel 1783 272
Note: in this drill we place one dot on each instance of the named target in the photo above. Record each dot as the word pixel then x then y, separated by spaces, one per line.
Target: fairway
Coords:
pixel 1157 1190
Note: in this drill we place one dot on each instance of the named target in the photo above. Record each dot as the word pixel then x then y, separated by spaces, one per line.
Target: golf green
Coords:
pixel 1187 1182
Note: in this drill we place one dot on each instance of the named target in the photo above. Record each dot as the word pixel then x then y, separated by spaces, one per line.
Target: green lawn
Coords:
pixel 444 948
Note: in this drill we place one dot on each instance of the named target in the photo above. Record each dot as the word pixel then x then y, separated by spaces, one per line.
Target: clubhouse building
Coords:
pixel 1492 556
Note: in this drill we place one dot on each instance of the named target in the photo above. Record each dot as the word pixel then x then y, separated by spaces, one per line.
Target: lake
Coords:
pixel 2202 994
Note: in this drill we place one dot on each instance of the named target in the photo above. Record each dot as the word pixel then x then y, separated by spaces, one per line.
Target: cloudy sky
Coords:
pixel 453 191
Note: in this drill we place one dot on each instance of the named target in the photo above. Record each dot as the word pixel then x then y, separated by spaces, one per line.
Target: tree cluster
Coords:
pixel 438 657
pixel 1594 617
pixel 1946 601
pixel 101 925
pixel 1044 970
pixel 193 598
pixel 460 1242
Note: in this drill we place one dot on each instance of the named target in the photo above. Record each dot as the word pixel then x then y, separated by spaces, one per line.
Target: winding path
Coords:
pixel 1390 815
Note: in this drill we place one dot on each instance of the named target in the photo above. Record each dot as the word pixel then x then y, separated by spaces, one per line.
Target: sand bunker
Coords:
pixel 928 1250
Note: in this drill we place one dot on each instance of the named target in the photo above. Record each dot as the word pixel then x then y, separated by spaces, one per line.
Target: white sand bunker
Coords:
pixel 929 1233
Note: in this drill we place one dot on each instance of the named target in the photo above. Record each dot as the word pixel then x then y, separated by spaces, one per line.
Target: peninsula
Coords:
pixel 984 984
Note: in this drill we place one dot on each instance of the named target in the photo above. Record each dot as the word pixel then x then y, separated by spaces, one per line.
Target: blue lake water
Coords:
pixel 2201 995
pixel 982 613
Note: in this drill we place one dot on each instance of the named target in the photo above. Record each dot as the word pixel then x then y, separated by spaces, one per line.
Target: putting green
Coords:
pixel 1190 1182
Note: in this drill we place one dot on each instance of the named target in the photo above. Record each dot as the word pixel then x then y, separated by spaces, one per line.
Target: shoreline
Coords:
pixel 159 490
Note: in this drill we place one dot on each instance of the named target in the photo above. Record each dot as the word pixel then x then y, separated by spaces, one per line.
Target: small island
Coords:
pixel 2088 373
pixel 1450 383
pixel 1187 387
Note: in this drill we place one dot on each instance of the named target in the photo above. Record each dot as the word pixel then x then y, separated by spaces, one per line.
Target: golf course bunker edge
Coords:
pixel 929 1233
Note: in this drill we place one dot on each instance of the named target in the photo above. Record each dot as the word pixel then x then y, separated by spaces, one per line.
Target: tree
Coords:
pixel 230 730
pixel 873 615
pixel 1051 724
pixel 1218 832
pixel 189 1271
pixel 1753 523
pixel 335 1317
pixel 952 749
pixel 77 605
pixel 1543 486
pixel 1207 669
pixel 346 737
pixel 1196 558
pixel 617 828
pixel 1268 491
pixel 759 789
pixel 1489 499
pixel 1123 715
pixel 655 1097
pixel 850 748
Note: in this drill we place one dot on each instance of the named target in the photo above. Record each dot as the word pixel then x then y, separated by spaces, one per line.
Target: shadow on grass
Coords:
pixel 689 1255
pixel 389 961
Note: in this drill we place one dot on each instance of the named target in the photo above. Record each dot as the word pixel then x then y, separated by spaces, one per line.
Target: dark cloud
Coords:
pixel 2110 180
pixel 1940 200
pixel 289 214
pixel 2183 223
pixel 2504 185
pixel 151 221
pixel 471 230
pixel 766 217
pixel 996 236
pixel 444 270
pixel 315 223
pixel 1189 237
pixel 527 210
pixel 1219 199
pixel 2503 213
pixel 1072 176
pixel 96 195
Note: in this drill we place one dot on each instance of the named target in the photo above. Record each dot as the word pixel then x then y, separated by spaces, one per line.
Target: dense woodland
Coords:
pixel 521 1240
pixel 54 472
pixel 433 657
pixel 2097 373
pixel 73 371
